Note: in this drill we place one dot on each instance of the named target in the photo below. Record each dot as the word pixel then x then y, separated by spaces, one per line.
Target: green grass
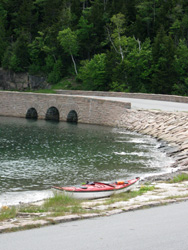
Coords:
pixel 56 205
pixel 60 204
pixel 45 91
pixel 7 213
pixel 130 194
pixel 179 178
pixel 60 200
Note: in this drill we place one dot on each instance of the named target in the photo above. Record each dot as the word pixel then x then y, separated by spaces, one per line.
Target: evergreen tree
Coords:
pixel 85 36
pixel 3 38
pixel 163 52
pixel 180 87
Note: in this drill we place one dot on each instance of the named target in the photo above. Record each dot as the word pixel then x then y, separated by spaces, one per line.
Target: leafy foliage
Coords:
pixel 120 45
pixel 93 73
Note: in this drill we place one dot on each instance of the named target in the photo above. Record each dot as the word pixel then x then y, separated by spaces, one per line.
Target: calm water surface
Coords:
pixel 34 155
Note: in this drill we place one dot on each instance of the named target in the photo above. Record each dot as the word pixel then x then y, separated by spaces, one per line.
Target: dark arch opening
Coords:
pixel 52 114
pixel 32 114
pixel 72 116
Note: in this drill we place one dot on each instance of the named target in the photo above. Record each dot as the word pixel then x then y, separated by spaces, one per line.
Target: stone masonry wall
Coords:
pixel 91 111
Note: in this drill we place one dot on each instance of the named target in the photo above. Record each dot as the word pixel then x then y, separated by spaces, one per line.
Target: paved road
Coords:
pixel 150 104
pixel 160 228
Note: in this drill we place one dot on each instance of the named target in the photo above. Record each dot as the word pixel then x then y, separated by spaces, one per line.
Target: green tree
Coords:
pixel 163 53
pixel 180 87
pixel 147 11
pixel 93 73
pixel 96 15
pixel 6 58
pixel 49 12
pixel 25 19
pixel 3 39
pixel 55 70
pixel 38 51
pixel 139 66
pixel 85 35
pixel 68 41
pixel 117 39
pixel 133 74
pixel 17 57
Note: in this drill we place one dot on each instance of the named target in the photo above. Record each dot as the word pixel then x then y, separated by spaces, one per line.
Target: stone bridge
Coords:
pixel 61 107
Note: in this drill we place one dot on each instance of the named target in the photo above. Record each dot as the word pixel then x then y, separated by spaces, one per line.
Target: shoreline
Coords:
pixel 163 194
pixel 168 127
pixel 48 193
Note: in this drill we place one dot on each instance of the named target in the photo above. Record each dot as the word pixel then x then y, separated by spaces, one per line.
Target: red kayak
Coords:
pixel 97 190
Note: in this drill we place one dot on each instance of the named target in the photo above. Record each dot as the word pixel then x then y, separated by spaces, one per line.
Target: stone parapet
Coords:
pixel 159 97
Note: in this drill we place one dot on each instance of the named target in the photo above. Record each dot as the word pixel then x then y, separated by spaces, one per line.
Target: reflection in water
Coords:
pixel 34 155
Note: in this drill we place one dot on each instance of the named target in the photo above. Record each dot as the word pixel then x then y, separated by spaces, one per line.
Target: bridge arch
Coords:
pixel 72 116
pixel 52 114
pixel 31 114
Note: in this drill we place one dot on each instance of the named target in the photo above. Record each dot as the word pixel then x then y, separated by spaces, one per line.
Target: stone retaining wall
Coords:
pixel 170 98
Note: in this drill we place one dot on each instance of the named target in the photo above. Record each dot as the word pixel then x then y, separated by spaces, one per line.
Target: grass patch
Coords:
pixel 179 178
pixel 57 205
pixel 59 200
pixel 31 209
pixel 45 91
pixel 60 204
pixel 7 213
pixel 130 194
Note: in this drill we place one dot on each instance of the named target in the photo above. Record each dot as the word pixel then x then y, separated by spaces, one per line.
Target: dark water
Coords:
pixel 34 155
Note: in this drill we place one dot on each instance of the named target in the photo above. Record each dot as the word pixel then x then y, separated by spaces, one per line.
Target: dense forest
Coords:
pixel 111 45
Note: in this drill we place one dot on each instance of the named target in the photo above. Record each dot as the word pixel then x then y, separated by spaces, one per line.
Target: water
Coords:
pixel 34 155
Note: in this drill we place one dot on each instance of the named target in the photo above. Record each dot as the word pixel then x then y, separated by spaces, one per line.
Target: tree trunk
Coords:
pixel 120 48
pixel 74 64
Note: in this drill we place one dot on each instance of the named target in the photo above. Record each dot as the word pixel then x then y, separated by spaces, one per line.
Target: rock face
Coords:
pixel 20 81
